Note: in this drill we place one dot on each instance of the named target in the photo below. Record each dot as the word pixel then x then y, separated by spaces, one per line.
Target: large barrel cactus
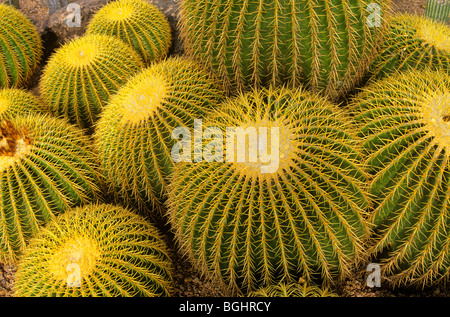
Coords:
pixel 133 135
pixel 404 124
pixel 46 167
pixel 20 48
pixel 412 42
pixel 285 203
pixel 326 45
pixel 95 250
pixel 136 22
pixel 81 76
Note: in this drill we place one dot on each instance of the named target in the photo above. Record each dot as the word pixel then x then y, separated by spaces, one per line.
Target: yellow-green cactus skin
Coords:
pixel 46 167
pixel 404 126
pixel 21 48
pixel 98 250
pixel 412 42
pixel 133 135
pixel 15 101
pixel 84 73
pixel 136 22
pixel 325 45
pixel 251 226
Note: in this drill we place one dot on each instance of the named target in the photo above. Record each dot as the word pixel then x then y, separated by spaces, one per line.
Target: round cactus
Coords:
pixel 133 135
pixel 20 48
pixel 81 76
pixel 14 101
pixel 292 290
pixel 96 250
pixel 136 22
pixel 412 42
pixel 46 167
pixel 404 124
pixel 253 218
pixel 326 45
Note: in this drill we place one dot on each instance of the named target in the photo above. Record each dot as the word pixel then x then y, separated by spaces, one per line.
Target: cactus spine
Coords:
pixel 14 102
pixel 81 76
pixel 46 167
pixel 20 48
pixel 292 290
pixel 133 135
pixel 412 42
pixel 136 22
pixel 251 227
pixel 326 45
pixel 404 124
pixel 109 250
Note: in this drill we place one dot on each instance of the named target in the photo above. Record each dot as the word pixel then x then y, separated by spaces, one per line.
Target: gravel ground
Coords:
pixel 188 282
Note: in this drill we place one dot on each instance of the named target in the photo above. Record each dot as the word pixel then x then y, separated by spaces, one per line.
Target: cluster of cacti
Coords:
pixel 20 48
pixel 250 226
pixel 96 250
pixel 46 167
pixel 292 290
pixel 412 42
pixel 326 45
pixel 136 22
pixel 133 135
pixel 83 74
pixel 14 102
pixel 404 127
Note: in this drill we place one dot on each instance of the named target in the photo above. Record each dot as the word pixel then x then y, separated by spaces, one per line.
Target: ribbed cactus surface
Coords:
pixel 95 250
pixel 326 45
pixel 20 47
pixel 46 167
pixel 133 135
pixel 14 101
pixel 84 73
pixel 253 220
pixel 404 124
pixel 412 42
pixel 136 22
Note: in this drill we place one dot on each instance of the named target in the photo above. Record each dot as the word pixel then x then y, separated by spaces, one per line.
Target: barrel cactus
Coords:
pixel 14 101
pixel 133 135
pixel 136 22
pixel 412 42
pixel 46 167
pixel 326 45
pixel 252 219
pixel 283 289
pixel 95 250
pixel 81 76
pixel 21 48
pixel 404 125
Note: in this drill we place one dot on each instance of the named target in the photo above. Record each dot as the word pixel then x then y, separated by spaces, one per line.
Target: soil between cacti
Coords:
pixel 187 280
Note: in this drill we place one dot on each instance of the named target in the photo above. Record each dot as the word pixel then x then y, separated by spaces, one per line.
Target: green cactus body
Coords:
pixel 326 45
pixel 292 290
pixel 46 167
pixel 133 135
pixel 96 250
pixel 404 124
pixel 250 226
pixel 136 22
pixel 81 76
pixel 20 48
pixel 15 102
pixel 412 42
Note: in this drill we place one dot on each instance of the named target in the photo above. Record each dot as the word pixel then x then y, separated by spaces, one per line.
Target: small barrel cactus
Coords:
pixel 81 76
pixel 21 48
pixel 292 290
pixel 326 45
pixel 46 167
pixel 14 101
pixel 404 126
pixel 133 135
pixel 136 22
pixel 97 250
pixel 412 42
pixel 251 218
